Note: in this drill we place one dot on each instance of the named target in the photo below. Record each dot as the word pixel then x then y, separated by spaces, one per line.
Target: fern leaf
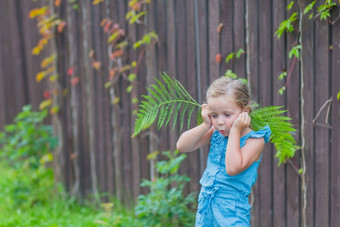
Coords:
pixel 185 107
pixel 281 128
pixel 165 99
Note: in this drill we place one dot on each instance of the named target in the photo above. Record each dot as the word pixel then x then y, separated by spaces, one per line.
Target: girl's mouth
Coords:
pixel 222 131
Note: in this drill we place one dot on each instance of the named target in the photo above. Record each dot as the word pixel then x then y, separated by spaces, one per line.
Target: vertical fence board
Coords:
pixel 226 36
pixel 265 96
pixel 2 70
pixel 334 197
pixel 293 96
pixel 214 47
pixel 253 33
pixel 239 37
pixel 308 56
pixel 321 130
pixel 279 66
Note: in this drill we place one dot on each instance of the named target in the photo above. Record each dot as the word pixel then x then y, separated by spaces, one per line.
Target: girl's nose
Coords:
pixel 220 121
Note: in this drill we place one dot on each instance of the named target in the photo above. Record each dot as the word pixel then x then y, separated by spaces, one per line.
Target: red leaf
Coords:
pixel 70 71
pixel 57 3
pixel 107 26
pixel 74 81
pixel 47 94
pixel 61 26
pixel 117 54
pixel 218 58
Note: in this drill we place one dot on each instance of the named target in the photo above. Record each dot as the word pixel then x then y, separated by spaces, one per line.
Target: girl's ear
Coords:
pixel 247 109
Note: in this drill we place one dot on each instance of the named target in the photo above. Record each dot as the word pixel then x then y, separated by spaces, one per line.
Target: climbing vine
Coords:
pixel 323 12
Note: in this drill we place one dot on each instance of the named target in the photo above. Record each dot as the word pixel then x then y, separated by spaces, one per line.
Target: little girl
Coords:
pixel 234 156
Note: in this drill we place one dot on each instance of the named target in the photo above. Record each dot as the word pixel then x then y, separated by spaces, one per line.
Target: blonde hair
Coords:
pixel 236 89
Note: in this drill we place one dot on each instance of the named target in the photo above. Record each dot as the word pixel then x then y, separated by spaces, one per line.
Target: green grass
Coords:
pixel 17 208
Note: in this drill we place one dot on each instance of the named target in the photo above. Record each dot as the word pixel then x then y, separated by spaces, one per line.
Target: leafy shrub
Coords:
pixel 166 205
pixel 25 147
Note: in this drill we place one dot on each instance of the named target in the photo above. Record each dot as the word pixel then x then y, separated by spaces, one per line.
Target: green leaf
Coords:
pixel 239 52
pixel 230 74
pixel 338 96
pixel 309 7
pixel 282 75
pixel 164 101
pixel 132 77
pixel 290 5
pixel 229 57
pixel 282 90
pixel 295 51
pixel 129 89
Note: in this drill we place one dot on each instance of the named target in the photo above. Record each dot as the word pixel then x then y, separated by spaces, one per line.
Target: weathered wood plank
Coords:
pixel 279 66
pixel 265 99
pixel 334 197
pixel 321 132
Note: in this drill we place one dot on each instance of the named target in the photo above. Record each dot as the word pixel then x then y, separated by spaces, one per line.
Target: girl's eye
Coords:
pixel 227 115
pixel 213 115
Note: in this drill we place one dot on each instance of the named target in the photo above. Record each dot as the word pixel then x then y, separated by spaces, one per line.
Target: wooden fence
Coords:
pixel 97 151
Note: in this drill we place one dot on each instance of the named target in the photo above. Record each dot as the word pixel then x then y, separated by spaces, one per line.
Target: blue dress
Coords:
pixel 223 200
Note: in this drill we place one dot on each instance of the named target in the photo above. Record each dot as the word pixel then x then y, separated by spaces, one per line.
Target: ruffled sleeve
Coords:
pixel 265 132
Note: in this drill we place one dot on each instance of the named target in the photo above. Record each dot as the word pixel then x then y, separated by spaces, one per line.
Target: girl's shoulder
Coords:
pixel 264 133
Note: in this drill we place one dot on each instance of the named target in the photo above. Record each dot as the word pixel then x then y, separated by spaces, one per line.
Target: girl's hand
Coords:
pixel 242 121
pixel 205 113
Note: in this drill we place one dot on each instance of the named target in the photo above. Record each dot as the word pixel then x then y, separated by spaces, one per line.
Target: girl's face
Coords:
pixel 223 112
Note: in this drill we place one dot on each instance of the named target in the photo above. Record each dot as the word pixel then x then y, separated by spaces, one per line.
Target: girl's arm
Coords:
pixel 238 159
pixel 198 136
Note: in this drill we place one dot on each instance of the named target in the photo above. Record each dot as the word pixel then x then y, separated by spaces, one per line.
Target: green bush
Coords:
pixel 25 147
pixel 166 205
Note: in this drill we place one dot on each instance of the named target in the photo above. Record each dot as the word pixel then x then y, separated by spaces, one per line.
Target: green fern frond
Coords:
pixel 281 128
pixel 166 98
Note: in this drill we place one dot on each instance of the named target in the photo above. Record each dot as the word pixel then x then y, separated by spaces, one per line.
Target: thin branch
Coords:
pixel 290 71
pixel 294 167
pixel 333 22
pixel 328 102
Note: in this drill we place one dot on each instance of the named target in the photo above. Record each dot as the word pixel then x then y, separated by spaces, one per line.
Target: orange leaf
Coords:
pixel 218 58
pixel 103 22
pixel 74 81
pixel 47 61
pixel 61 26
pixel 107 26
pixel 117 54
pixel 50 69
pixel 95 2
pixel 96 65
pixel 112 73
pixel 136 6
pixel 219 28
pixel 45 103
pixel 38 11
pixel 73 156
pixel 91 53
pixel 57 3
pixel 54 110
